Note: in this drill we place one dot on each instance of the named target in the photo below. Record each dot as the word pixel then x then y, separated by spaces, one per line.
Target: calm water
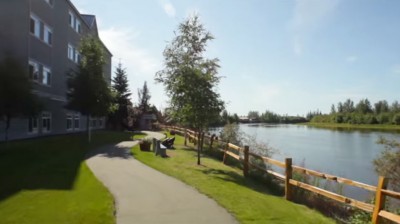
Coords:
pixel 343 153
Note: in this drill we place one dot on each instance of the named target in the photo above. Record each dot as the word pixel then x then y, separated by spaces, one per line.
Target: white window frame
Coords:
pixel 46 126
pixel 32 76
pixel 77 56
pixel 70 122
pixel 46 76
pixel 34 122
pixel 77 25
pixel 77 120
pixel 71 19
pixel 36 27
pixel 71 54
pixel 48 35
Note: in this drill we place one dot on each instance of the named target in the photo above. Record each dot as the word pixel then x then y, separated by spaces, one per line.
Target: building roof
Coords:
pixel 89 20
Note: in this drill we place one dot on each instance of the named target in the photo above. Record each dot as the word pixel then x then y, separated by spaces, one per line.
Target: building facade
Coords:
pixel 44 36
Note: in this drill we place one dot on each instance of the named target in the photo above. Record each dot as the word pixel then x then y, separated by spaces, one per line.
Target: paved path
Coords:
pixel 144 195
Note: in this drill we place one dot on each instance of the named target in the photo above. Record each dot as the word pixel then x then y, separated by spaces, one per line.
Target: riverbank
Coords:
pixel 375 127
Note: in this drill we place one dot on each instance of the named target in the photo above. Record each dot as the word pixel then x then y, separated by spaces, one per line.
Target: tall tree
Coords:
pixel 381 106
pixel 88 90
pixel 16 97
pixel 144 98
pixel 190 78
pixel 122 97
pixel 364 106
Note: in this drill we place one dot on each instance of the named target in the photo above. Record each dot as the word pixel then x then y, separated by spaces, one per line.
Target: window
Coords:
pixel 46 122
pixel 77 26
pixel 76 121
pixel 69 122
pixel 77 56
pixel 48 35
pixel 46 77
pixel 34 71
pixel 33 125
pixel 71 19
pixel 35 26
pixel 70 52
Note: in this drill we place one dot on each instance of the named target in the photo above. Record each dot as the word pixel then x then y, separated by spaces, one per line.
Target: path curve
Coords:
pixel 144 195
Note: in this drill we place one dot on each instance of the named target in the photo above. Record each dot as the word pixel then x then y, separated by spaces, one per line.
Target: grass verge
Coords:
pixel 249 201
pixel 46 181
pixel 375 127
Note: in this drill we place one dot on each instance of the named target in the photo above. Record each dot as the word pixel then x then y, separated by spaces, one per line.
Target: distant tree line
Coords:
pixel 361 113
pixel 255 117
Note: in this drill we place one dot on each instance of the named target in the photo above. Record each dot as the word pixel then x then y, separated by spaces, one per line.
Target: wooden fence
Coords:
pixel 231 150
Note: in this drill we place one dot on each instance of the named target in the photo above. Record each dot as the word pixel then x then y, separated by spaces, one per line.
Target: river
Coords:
pixel 345 153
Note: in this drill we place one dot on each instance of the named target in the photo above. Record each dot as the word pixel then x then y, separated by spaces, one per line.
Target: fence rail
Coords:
pixel 231 150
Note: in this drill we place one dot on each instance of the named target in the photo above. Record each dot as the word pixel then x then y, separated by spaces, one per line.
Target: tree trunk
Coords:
pixel 198 148
pixel 198 154
pixel 88 128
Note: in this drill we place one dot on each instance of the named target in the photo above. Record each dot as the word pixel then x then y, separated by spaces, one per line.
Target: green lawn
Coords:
pixel 46 181
pixel 138 136
pixel 247 200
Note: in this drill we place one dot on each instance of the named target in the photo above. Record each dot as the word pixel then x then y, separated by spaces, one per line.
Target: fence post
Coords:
pixel 185 137
pixel 379 199
pixel 288 173
pixel 225 156
pixel 246 161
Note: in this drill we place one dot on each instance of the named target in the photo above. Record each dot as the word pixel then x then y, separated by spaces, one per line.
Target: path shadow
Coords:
pixel 121 150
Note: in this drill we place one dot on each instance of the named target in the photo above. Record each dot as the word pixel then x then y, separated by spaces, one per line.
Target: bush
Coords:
pixel 396 119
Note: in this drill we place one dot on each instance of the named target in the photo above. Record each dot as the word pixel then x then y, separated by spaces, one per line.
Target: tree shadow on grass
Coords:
pixel 239 179
pixel 46 163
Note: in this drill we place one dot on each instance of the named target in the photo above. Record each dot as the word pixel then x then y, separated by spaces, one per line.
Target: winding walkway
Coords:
pixel 144 195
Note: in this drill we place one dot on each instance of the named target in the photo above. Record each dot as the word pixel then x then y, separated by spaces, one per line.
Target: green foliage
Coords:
pixel 88 90
pixel 362 113
pixel 144 98
pixel 119 117
pixel 16 97
pixel 360 217
pixel 388 163
pixel 190 79
pixel 231 133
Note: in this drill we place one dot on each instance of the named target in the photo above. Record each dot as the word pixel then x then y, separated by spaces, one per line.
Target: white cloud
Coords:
pixel 169 9
pixel 141 65
pixel 121 42
pixel 308 15
pixel 351 59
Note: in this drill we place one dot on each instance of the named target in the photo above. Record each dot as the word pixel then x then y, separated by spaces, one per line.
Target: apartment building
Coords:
pixel 44 35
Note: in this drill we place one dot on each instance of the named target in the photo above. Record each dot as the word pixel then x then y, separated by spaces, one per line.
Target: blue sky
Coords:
pixel 289 57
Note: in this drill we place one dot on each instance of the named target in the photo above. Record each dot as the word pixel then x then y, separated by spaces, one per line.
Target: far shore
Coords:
pixel 378 127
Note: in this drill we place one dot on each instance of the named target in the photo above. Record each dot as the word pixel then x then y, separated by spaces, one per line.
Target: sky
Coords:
pixel 285 56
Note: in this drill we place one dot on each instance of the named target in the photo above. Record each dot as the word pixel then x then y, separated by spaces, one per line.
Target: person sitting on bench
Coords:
pixel 169 142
